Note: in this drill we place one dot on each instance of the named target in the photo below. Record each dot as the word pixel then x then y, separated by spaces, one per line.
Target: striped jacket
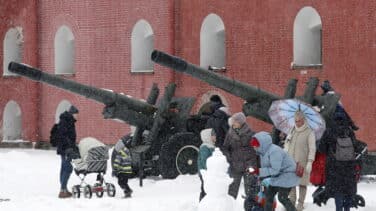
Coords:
pixel 121 161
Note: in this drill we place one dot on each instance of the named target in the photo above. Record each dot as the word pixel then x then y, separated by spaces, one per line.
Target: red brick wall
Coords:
pixel 259 50
pixel 102 31
pixel 21 13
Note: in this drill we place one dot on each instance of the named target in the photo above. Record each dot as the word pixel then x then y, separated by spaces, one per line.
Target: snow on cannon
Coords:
pixel 166 139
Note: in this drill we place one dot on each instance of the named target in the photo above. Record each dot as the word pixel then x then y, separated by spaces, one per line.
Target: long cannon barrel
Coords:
pixel 103 96
pixel 257 100
pixel 120 106
pixel 237 88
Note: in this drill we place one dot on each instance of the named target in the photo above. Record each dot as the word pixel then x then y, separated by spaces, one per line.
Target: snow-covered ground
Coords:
pixel 29 179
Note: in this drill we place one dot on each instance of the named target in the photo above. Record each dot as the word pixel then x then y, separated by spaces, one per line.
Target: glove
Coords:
pixel 309 167
pixel 266 182
pixel 252 170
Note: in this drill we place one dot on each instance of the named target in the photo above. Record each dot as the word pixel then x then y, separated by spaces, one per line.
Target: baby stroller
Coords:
pixel 94 156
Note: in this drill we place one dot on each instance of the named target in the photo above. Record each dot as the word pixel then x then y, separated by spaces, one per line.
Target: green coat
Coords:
pixel 204 153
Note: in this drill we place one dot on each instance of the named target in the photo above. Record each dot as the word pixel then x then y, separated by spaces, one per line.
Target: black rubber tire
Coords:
pixel 111 190
pixel 170 149
pixel 87 192
pixel 76 192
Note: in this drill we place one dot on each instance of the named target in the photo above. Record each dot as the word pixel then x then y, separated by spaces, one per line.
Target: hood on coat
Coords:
pixel 206 137
pixel 265 141
pixel 67 117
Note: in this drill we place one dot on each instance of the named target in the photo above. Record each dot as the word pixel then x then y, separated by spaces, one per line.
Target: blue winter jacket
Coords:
pixel 275 163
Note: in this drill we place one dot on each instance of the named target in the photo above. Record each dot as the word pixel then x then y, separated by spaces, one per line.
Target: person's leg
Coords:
pixel 202 193
pixel 269 197
pixel 123 183
pixel 234 186
pixel 302 195
pixel 292 195
pixel 61 172
pixel 251 190
pixel 283 197
pixel 338 199
pixel 347 203
pixel 65 171
pixel 66 168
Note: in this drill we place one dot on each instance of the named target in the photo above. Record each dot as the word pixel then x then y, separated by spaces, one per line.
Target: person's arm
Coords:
pixel 311 147
pixel 275 159
pixel 227 147
pixel 204 155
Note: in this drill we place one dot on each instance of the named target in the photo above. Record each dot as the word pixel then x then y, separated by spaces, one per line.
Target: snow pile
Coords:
pixel 30 179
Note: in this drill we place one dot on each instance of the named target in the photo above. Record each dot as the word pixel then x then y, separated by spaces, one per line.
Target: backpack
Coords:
pixel 344 149
pixel 54 135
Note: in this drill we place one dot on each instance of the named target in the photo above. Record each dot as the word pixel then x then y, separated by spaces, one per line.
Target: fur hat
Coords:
pixel 73 110
pixel 239 117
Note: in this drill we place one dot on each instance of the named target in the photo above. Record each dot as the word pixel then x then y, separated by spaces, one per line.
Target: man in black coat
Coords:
pixel 219 122
pixel 341 181
pixel 66 147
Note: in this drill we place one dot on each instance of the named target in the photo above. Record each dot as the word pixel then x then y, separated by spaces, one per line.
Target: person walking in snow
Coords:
pixel 121 162
pixel 301 146
pixel 340 146
pixel 277 170
pixel 206 150
pixel 240 156
pixel 218 121
pixel 66 147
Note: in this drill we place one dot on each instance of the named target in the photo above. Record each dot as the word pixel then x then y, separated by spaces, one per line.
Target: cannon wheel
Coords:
pixel 179 155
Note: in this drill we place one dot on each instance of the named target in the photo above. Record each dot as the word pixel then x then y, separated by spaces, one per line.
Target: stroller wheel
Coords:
pixel 87 192
pixel 76 191
pixel 98 189
pixel 111 191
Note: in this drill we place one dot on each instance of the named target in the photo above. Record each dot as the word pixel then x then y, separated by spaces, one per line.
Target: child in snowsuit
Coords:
pixel 121 162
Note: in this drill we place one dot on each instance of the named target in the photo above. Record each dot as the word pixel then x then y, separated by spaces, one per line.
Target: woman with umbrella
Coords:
pixel 301 145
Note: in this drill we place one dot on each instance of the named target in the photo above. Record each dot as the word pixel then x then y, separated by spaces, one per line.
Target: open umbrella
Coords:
pixel 282 112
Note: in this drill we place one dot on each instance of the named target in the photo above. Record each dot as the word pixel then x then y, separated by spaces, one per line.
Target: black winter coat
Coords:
pixel 219 122
pixel 66 133
pixel 237 150
pixel 340 175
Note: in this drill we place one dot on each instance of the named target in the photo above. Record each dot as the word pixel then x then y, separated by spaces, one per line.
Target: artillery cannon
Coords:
pixel 165 141
pixel 259 101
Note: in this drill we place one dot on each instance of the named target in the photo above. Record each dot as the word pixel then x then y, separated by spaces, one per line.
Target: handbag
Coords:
pixel 299 170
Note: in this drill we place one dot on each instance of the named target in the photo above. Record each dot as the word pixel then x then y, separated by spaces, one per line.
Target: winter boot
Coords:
pixel 64 194
pixel 292 196
pixel 127 194
pixel 302 195
pixel 127 191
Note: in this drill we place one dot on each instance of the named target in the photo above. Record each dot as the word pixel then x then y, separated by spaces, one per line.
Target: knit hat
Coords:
pixel 239 117
pixel 206 136
pixel 73 110
pixel 254 142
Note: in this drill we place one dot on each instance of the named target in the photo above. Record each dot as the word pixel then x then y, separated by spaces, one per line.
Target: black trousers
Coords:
pixel 283 197
pixel 250 186
pixel 202 193
pixel 123 182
